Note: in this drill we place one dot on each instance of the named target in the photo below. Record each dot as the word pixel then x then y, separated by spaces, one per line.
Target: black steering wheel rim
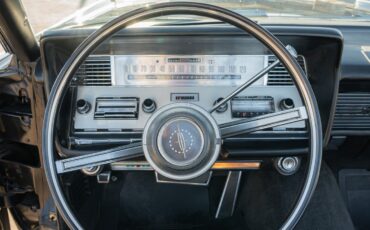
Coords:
pixel 121 22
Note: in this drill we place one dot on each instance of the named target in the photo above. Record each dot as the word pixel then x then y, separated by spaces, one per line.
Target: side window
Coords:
pixel 2 51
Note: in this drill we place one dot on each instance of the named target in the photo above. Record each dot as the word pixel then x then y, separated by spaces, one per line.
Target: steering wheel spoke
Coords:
pixel 263 122
pixel 99 158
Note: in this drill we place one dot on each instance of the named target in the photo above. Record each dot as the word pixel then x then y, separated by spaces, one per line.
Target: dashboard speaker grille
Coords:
pixel 352 112
pixel 279 76
pixel 94 71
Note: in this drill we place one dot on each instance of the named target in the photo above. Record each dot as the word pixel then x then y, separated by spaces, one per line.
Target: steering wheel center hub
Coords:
pixel 181 141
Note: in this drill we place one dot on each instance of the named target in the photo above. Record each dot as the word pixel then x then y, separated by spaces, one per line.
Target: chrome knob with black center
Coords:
pixel 149 105
pixel 181 141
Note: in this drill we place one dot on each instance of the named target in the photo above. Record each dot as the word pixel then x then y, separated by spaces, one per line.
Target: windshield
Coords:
pixel 61 13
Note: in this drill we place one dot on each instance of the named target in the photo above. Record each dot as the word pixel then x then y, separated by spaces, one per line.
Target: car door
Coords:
pixel 21 113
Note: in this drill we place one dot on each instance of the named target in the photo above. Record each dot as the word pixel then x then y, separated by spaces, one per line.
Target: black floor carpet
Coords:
pixel 351 165
pixel 355 187
pixel 327 209
pixel 268 197
pixel 136 201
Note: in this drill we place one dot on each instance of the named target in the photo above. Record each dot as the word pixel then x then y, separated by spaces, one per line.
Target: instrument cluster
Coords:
pixel 118 93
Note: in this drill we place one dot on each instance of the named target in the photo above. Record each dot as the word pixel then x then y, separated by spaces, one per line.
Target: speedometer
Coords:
pixel 184 70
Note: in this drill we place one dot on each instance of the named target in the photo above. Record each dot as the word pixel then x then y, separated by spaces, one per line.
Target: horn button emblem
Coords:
pixel 180 141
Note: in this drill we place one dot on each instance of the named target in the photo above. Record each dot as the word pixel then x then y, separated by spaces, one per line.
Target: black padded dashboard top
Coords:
pixel 354 64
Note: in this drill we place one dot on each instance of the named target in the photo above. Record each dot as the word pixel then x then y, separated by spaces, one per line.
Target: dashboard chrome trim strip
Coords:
pixel 218 165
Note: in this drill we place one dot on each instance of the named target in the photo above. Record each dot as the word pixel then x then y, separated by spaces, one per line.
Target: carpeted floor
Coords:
pixel 268 197
pixel 265 199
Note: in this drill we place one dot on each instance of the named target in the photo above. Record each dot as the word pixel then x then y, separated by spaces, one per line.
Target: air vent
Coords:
pixel 94 71
pixel 279 76
pixel 352 112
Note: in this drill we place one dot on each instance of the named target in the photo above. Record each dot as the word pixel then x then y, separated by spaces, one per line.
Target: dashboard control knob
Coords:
pixel 223 107
pixel 149 105
pixel 83 106
pixel 287 165
pixel 286 103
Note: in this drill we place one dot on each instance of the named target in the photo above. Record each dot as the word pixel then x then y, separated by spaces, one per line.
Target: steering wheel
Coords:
pixel 206 135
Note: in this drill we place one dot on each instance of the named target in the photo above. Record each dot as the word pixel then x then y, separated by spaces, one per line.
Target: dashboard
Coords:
pixel 139 70
pixel 140 84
